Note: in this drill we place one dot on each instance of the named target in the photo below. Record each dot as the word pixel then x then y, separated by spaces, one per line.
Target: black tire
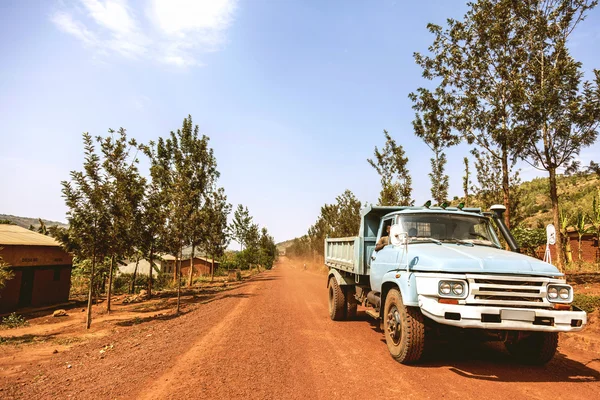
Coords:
pixel 337 301
pixel 403 328
pixel 535 349
pixel 351 303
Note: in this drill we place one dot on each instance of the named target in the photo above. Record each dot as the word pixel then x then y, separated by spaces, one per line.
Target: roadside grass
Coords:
pixel 587 302
pixel 13 321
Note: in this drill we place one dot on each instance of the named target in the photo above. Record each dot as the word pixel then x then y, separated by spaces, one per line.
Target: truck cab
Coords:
pixel 448 269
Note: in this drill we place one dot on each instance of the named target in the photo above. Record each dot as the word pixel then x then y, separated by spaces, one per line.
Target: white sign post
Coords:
pixel 550 240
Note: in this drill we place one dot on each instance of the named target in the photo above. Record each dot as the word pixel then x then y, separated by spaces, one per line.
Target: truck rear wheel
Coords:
pixel 337 301
pixel 403 328
pixel 535 349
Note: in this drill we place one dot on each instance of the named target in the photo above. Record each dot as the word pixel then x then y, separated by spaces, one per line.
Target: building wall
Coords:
pixel 589 247
pixel 201 267
pixel 50 267
pixel 9 296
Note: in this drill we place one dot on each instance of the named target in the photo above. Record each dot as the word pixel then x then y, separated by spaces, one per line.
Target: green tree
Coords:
pixel 87 215
pixel 562 111
pixel 391 165
pixel 267 249
pixel 241 224
pixel 155 205
pixel 466 181
pixel 476 62
pixel 193 171
pixel 218 234
pixel 124 191
pixel 529 240
pixel 432 125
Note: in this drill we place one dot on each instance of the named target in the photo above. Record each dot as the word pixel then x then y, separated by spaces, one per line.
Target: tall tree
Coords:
pixel 476 61
pixel 218 235
pixel 155 204
pixel 124 193
pixel 267 249
pixel 87 215
pixel 466 180
pixel 241 224
pixel 562 112
pixel 193 171
pixel 392 166
pixel 432 124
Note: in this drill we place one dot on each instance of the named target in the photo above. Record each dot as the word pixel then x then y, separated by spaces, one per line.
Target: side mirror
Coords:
pixel 397 236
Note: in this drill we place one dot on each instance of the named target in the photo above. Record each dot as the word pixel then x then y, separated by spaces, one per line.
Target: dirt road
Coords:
pixel 271 338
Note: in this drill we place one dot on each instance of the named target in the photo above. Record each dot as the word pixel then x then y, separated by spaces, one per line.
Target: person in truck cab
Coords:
pixel 384 240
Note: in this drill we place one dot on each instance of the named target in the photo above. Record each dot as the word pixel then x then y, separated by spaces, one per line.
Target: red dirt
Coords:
pixel 271 338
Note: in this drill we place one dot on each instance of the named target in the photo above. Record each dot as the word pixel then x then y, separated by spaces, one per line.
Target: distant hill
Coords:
pixel 26 222
pixel 282 246
pixel 575 193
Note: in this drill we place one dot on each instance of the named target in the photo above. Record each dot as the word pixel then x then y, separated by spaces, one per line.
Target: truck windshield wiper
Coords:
pixel 425 239
pixel 463 242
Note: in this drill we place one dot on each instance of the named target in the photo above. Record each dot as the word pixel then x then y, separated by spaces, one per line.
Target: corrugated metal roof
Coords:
pixel 15 235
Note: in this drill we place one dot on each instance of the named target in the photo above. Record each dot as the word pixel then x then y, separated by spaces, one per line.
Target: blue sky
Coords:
pixel 293 94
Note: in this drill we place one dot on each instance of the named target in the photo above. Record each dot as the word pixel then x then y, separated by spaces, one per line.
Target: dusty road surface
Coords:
pixel 271 338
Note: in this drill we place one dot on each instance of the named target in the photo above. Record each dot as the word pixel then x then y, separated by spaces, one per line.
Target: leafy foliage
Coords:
pixel 391 165
pixel 13 321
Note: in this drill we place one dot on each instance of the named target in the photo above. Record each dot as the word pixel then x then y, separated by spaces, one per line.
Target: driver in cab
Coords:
pixel 384 240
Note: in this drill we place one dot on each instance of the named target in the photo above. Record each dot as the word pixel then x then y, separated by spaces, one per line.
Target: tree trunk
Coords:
pixel 212 269
pixel 506 188
pixel 110 280
pixel 150 272
pixel 580 249
pixel 191 274
pixel 178 272
pixel 88 320
pixel 132 288
pixel 560 254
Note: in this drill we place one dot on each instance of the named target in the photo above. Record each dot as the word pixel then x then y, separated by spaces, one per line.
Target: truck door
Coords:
pixel 383 260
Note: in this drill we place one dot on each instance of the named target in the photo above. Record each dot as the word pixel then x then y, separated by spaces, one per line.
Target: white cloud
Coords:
pixel 65 22
pixel 174 32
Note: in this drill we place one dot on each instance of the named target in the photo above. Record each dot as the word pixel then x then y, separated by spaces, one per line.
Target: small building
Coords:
pixel 166 265
pixel 41 268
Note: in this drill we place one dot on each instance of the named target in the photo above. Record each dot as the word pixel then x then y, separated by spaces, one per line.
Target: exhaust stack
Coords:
pixel 497 215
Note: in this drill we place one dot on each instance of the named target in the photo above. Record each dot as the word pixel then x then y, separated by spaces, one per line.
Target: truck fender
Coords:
pixel 341 280
pixel 403 281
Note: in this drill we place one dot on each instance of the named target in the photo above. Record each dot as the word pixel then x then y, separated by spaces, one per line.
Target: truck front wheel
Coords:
pixel 403 328
pixel 337 301
pixel 536 349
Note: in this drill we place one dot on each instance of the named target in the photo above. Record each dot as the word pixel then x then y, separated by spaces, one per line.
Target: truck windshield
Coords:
pixel 460 229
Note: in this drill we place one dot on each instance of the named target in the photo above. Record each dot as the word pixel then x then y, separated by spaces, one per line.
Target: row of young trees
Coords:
pixel 340 219
pixel 115 213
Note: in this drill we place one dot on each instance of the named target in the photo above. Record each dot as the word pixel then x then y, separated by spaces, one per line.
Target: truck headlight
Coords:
pixel 560 293
pixel 452 289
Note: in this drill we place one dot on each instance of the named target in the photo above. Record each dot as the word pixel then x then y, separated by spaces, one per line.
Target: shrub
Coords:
pixel 13 321
pixel 587 302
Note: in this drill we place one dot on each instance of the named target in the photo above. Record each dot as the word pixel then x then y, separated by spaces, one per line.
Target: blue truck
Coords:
pixel 441 270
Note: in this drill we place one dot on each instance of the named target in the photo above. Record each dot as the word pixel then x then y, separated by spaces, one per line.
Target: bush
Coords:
pixel 238 275
pixel 587 302
pixel 13 321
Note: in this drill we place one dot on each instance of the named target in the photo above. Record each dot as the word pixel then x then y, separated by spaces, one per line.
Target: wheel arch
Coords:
pixel 405 284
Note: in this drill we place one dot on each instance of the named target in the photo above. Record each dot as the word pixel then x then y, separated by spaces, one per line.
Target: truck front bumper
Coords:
pixel 502 318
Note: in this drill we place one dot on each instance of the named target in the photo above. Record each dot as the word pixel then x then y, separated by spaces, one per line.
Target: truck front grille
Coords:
pixel 516 292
